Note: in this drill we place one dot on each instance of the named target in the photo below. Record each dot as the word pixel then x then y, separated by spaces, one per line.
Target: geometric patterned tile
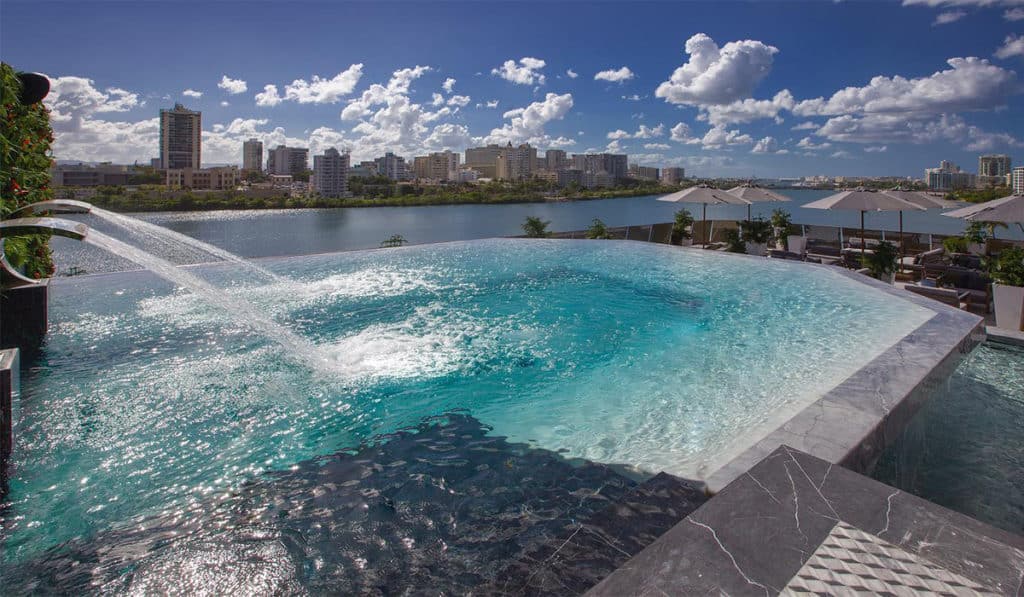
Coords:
pixel 852 562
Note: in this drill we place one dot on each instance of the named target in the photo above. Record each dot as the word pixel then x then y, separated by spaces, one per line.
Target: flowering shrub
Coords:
pixel 25 138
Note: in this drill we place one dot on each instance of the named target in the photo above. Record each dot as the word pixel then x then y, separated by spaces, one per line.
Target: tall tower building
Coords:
pixel 330 173
pixel 181 138
pixel 252 155
pixel 287 160
pixel 994 165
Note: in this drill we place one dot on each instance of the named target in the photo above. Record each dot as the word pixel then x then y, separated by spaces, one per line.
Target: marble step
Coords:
pixel 590 549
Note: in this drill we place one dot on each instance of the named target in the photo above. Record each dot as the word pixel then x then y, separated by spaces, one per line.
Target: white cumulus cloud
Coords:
pixel 1013 45
pixel 571 74
pixel 949 16
pixel 718 137
pixel 324 91
pixel 766 145
pixel 527 124
pixel 232 86
pixel 448 85
pixel 268 97
pixel 715 75
pixel 619 75
pixel 192 93
pixel 525 72
pixel 1014 14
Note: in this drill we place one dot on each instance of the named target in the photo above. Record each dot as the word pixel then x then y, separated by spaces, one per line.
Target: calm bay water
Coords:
pixel 271 233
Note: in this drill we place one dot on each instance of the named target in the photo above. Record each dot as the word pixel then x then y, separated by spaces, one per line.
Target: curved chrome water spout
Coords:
pixel 58 226
pixel 19 226
pixel 62 206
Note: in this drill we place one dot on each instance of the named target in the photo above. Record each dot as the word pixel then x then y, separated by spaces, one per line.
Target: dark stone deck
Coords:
pixel 797 525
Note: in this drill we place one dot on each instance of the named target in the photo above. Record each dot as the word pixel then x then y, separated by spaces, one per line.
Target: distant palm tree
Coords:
pixel 598 230
pixel 536 228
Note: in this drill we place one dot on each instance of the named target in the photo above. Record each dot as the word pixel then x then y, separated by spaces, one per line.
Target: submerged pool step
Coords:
pixel 588 550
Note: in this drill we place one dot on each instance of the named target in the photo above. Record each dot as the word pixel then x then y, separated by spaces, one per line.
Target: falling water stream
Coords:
pixel 137 225
pixel 243 311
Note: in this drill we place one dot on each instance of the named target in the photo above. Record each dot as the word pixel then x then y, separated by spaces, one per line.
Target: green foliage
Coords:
pixel 980 195
pixel 146 175
pixel 598 230
pixel 734 241
pixel 1008 269
pixel 976 232
pixel 25 138
pixel 535 227
pixel 396 240
pixel 955 244
pixel 882 261
pixel 758 231
pixel 683 225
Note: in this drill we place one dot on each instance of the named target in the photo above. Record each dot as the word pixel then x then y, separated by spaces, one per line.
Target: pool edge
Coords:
pixel 853 423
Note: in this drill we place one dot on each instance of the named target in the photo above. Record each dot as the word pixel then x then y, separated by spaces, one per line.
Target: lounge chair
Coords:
pixel 950 296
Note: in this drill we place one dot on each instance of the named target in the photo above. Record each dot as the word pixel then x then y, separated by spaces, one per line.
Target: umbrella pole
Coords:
pixel 748 211
pixel 902 248
pixel 707 232
pixel 863 242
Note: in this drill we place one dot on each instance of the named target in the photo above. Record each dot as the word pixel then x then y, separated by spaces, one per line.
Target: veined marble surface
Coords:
pixel 757 536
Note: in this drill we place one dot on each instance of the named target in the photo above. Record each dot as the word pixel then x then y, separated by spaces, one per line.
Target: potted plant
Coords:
pixel 756 234
pixel 682 229
pixel 598 230
pixel 976 234
pixel 734 241
pixel 535 227
pixel 954 244
pixel 1008 288
pixel 882 262
pixel 781 223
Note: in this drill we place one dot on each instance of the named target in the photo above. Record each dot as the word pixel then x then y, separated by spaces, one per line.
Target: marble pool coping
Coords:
pixel 852 423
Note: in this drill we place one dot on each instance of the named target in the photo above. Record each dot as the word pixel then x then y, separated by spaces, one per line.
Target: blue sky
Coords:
pixel 768 88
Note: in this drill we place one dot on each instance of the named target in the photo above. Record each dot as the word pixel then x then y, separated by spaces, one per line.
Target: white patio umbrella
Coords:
pixel 865 200
pixel 755 194
pixel 922 199
pixel 704 195
pixel 1008 209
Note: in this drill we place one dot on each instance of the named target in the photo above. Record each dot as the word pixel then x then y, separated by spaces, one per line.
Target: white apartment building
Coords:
pixel 330 173
pixel 287 160
pixel 1017 180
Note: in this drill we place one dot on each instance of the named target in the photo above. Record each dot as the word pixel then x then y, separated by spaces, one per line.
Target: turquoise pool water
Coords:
pixel 147 402
pixel 965 449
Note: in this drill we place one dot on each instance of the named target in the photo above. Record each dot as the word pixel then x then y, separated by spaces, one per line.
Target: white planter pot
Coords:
pixel 797 244
pixel 976 248
pixel 889 278
pixel 780 243
pixel 760 249
pixel 1009 302
pixel 686 242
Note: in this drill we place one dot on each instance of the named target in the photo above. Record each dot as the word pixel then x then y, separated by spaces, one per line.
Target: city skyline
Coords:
pixel 880 88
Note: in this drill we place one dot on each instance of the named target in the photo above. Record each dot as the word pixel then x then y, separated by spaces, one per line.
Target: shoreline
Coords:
pixel 242 203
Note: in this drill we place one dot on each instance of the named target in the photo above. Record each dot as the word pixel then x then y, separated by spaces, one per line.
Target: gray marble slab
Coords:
pixel 764 527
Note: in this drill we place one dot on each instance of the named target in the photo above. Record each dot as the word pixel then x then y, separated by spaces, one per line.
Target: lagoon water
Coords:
pixel 272 233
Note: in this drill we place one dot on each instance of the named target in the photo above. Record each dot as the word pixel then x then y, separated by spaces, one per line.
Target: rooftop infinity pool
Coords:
pixel 147 402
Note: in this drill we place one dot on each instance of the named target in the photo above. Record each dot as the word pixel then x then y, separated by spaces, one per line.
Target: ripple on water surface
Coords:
pixel 146 401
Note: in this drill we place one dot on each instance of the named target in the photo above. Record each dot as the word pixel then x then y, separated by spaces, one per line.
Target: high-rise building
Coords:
pixel 181 138
pixel 484 159
pixel 330 173
pixel 287 160
pixel 672 175
pixel 1017 180
pixel 615 165
pixel 555 160
pixel 994 165
pixel 948 177
pixel 392 166
pixel 516 163
pixel 643 172
pixel 252 155
pixel 441 166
